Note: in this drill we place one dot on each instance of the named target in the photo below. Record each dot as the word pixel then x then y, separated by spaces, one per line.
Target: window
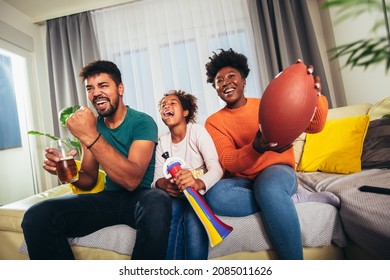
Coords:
pixel 9 122
pixel 165 44
pixel 15 154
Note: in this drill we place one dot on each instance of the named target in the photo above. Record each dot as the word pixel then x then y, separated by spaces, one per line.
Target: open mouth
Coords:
pixel 168 114
pixel 228 90
pixel 101 104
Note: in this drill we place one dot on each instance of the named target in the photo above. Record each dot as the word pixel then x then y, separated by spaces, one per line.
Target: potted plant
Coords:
pixel 62 115
pixel 367 51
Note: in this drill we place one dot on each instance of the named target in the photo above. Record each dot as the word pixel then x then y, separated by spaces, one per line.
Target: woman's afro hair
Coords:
pixel 224 59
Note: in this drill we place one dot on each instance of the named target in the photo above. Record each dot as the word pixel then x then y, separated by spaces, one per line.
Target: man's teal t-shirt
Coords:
pixel 136 126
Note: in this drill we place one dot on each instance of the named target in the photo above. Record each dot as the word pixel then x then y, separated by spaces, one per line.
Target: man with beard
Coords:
pixel 122 142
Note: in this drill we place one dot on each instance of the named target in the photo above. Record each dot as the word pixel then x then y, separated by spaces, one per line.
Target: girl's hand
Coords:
pixel 168 186
pixel 185 179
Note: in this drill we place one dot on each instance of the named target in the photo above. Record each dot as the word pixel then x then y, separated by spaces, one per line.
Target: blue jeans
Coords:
pixel 270 194
pixel 47 224
pixel 188 239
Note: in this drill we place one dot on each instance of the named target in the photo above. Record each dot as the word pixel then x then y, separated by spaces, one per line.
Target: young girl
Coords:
pixel 192 143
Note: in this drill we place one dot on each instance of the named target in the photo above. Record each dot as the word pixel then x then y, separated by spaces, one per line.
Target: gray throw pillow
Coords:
pixel 376 147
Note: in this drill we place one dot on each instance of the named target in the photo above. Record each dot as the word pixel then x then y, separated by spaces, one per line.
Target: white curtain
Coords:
pixel 161 45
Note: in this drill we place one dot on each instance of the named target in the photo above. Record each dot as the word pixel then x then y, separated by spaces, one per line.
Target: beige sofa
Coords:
pixel 327 232
pixel 320 224
pixel 365 216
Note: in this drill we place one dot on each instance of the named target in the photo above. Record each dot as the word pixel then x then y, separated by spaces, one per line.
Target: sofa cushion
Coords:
pixel 349 111
pixel 365 216
pixel 97 188
pixel 334 113
pixel 320 226
pixel 379 109
pixel 337 148
pixel 376 148
pixel 299 143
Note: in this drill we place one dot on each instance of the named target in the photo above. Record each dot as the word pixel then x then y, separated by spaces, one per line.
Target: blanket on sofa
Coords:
pixel 362 214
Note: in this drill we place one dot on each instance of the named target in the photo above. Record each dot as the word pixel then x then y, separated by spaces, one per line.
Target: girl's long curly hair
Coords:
pixel 188 102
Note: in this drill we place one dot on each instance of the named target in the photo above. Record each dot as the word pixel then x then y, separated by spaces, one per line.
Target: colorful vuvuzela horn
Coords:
pixel 215 228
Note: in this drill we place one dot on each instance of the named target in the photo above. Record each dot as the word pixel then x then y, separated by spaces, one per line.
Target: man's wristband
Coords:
pixel 93 143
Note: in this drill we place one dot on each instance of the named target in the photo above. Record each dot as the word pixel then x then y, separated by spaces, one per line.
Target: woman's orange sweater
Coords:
pixel 233 131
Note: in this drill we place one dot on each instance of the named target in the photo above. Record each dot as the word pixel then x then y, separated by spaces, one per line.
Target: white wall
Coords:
pixel 361 85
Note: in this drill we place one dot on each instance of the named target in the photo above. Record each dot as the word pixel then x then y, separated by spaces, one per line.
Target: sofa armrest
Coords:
pixel 11 215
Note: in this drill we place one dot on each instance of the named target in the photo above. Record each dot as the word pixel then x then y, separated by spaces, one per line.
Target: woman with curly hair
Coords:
pixel 192 143
pixel 258 178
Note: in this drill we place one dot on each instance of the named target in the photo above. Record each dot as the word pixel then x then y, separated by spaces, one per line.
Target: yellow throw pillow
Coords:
pixel 97 188
pixel 337 148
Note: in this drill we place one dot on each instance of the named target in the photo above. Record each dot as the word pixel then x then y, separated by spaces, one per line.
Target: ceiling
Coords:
pixel 41 10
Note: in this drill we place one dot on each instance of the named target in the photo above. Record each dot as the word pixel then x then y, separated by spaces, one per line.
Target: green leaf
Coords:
pixel 76 143
pixel 64 114
pixel 37 133
pixel 364 53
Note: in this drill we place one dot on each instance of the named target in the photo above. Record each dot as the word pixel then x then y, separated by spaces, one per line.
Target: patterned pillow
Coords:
pixel 376 147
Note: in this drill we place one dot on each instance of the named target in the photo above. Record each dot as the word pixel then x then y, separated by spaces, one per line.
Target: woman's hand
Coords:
pixel 261 146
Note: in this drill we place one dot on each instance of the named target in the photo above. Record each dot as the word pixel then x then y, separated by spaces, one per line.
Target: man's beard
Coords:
pixel 110 110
